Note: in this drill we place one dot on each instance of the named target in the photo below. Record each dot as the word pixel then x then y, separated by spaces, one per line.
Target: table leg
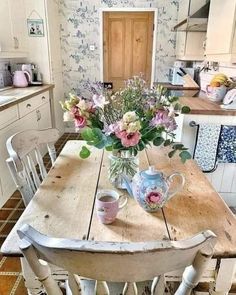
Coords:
pixel 225 276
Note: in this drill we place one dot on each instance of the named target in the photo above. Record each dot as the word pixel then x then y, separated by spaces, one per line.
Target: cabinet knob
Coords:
pixel 43 97
pixel 28 105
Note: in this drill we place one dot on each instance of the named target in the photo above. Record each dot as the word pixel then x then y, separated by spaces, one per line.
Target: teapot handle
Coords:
pixel 178 187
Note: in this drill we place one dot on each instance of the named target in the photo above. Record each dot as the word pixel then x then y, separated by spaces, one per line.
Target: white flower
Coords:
pixel 133 127
pixel 130 117
pixel 123 125
pixel 99 100
pixel 83 105
pixel 68 117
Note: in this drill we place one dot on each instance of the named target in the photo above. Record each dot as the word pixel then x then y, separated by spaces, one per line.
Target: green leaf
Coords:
pixel 87 134
pixel 184 155
pixel 84 153
pixel 167 142
pixel 109 148
pixel 178 146
pixel 171 154
pixel 158 141
pixel 173 98
pixel 185 110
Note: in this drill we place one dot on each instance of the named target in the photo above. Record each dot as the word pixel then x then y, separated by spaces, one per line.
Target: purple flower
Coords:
pixel 162 118
pixel 109 129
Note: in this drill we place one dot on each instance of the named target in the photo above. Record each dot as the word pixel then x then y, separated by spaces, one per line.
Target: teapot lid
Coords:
pixel 151 173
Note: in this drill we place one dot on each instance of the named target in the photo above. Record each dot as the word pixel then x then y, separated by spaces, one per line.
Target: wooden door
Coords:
pixel 127 46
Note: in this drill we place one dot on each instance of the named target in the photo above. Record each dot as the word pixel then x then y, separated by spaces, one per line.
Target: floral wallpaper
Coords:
pixel 80 29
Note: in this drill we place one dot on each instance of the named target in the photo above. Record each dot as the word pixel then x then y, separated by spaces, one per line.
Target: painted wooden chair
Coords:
pixel 116 262
pixel 24 151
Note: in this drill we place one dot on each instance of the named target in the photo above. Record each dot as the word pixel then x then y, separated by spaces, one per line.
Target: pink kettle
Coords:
pixel 20 80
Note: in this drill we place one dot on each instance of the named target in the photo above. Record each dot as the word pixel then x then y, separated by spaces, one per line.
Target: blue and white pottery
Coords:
pixel 151 188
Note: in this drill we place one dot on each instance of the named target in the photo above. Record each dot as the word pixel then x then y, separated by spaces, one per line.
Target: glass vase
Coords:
pixel 122 163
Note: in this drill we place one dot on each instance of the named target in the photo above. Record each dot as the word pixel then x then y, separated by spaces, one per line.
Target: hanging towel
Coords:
pixel 227 145
pixel 205 152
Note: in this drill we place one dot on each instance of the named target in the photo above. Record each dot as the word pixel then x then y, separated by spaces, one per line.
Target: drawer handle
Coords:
pixel 28 105
pixel 43 97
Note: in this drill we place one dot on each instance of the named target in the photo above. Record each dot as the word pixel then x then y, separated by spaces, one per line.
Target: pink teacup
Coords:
pixel 108 204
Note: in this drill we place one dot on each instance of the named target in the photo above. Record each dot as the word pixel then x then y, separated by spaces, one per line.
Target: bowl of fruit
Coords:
pixel 218 87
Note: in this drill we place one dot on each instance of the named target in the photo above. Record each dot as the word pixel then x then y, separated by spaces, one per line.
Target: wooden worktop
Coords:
pixel 201 105
pixel 169 86
pixel 21 94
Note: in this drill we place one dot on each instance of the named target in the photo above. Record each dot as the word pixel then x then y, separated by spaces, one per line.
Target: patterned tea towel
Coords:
pixel 205 152
pixel 227 145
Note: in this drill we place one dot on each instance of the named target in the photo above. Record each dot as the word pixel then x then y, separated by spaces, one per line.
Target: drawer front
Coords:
pixel 33 103
pixel 8 116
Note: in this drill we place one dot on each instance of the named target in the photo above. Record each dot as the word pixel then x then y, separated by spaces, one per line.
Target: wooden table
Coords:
pixel 64 206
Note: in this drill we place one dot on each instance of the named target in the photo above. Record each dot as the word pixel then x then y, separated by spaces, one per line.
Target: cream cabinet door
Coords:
pixel 6 41
pixel 44 116
pixel 19 25
pixel 221 27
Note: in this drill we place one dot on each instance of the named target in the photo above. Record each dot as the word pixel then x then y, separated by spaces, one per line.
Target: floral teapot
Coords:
pixel 151 188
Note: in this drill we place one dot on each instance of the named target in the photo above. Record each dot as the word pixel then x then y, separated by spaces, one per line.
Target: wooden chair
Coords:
pixel 24 151
pixel 116 262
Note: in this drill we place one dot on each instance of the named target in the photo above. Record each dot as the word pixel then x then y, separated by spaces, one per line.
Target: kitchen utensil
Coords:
pixel 216 94
pixel 34 74
pixel 19 78
pixel 151 188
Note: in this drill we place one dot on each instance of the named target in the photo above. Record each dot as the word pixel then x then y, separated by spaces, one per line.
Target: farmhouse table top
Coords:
pixel 64 204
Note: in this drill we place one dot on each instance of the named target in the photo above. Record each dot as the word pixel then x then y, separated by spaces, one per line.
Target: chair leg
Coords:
pixel 193 273
pixel 72 285
pixel 130 289
pixel 158 285
pixel 101 288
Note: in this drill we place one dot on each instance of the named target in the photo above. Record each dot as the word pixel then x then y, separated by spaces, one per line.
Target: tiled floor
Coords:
pixel 11 280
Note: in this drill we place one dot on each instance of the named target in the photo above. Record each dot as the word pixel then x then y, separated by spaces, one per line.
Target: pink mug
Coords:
pixel 108 204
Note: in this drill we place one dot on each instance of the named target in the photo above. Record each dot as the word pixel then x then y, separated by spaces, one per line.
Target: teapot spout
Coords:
pixel 127 184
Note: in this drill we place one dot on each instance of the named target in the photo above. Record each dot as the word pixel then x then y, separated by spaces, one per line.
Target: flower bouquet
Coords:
pixel 126 122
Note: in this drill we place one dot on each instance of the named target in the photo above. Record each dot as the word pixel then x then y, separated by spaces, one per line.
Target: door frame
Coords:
pixel 127 9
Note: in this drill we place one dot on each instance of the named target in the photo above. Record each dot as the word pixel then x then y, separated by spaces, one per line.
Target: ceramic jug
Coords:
pixel 216 94
pixel 20 80
pixel 151 188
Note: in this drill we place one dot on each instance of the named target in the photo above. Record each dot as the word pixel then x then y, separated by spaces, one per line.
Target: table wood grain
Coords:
pixel 64 206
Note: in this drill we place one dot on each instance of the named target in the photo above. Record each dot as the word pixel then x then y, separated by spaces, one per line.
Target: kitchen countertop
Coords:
pixel 17 95
pixel 201 105
pixel 175 87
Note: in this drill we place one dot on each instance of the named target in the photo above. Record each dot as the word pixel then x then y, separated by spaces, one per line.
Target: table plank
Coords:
pixel 63 204
pixel 133 224
pixel 198 207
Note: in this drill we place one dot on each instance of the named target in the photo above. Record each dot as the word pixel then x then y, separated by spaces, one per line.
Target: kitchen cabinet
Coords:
pixel 189 44
pixel 221 39
pixel 13 29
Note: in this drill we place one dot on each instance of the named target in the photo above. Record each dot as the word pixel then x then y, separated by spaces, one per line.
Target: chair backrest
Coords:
pixel 116 262
pixel 25 161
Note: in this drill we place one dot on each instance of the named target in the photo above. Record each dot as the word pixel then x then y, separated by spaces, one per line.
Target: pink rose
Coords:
pixel 80 121
pixel 74 110
pixel 128 139
pixel 153 197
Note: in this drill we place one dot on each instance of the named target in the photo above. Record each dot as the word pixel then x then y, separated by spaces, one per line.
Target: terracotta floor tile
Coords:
pixel 11 203
pixel 6 284
pixel 6 229
pixel 16 195
pixel 22 205
pixel 16 215
pixel 21 290
pixel 4 214
pixel 1 242
pixel 11 264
